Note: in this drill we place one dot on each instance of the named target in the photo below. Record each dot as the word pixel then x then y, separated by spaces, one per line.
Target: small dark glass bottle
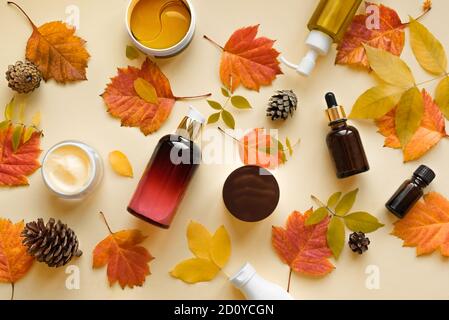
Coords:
pixel 344 143
pixel 410 192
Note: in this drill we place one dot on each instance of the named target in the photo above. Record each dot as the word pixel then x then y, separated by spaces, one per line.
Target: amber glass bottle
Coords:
pixel 410 192
pixel 344 142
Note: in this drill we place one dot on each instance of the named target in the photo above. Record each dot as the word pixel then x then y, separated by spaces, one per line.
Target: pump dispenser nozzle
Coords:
pixel 319 44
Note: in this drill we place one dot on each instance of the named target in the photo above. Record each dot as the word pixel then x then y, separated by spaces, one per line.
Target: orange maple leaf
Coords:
pixel 248 60
pixel 259 148
pixel 127 262
pixel 56 51
pixel 388 35
pixel 426 226
pixel 303 248
pixel 16 165
pixel 15 262
pixel 123 101
pixel 431 131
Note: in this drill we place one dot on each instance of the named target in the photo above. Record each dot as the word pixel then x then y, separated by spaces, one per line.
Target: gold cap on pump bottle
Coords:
pixel 334 111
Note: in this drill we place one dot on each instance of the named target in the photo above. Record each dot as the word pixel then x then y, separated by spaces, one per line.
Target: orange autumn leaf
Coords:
pixel 248 60
pixel 15 262
pixel 429 134
pixel 303 248
pixel 388 35
pixel 57 51
pixel 18 159
pixel 127 261
pixel 259 148
pixel 426 226
pixel 123 101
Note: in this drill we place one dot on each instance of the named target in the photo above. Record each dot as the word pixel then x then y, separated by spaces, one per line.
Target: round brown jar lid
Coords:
pixel 251 193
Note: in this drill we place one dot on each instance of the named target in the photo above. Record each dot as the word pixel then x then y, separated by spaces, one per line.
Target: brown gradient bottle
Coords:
pixel 167 176
pixel 344 143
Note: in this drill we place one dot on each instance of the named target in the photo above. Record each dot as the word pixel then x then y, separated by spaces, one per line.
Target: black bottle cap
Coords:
pixel 331 100
pixel 425 173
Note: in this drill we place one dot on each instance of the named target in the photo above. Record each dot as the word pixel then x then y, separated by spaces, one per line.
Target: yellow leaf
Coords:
pixel 409 115
pixel 195 270
pixel 199 239
pixel 427 49
pixel 17 137
pixel 120 164
pixel 22 112
pixel 36 120
pixel 220 250
pixel 28 134
pixel 376 102
pixel 9 109
pixel 442 96
pixel 390 68
pixel 145 90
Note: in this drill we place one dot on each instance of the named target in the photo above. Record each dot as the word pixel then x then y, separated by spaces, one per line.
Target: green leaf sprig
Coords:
pixel 338 207
pixel 238 102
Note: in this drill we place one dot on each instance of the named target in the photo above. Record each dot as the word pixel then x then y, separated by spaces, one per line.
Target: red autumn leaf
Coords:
pixel 259 148
pixel 429 134
pixel 16 165
pixel 124 103
pixel 426 226
pixel 387 35
pixel 127 261
pixel 248 60
pixel 303 248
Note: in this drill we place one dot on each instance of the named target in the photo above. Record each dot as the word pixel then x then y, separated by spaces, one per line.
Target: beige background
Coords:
pixel 77 112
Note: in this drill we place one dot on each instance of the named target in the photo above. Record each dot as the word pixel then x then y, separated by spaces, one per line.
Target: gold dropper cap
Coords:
pixel 334 111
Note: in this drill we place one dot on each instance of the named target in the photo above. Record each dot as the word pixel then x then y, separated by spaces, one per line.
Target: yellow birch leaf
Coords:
pixel 195 270
pixel 36 120
pixel 442 96
pixel 220 250
pixel 376 102
pixel 120 164
pixel 28 134
pixel 427 49
pixel 199 239
pixel 390 68
pixel 22 112
pixel 145 90
pixel 409 115
pixel 9 110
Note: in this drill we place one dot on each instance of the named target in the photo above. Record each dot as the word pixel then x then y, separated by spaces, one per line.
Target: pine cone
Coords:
pixel 282 104
pixel 358 242
pixel 23 77
pixel 54 243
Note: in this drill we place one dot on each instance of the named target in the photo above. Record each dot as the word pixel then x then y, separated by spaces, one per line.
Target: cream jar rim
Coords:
pixel 92 163
pixel 167 51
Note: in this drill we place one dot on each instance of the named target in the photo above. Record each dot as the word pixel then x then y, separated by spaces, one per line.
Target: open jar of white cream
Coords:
pixel 72 169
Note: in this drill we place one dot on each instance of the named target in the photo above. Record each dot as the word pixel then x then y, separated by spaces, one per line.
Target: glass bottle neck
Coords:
pixel 336 125
pixel 189 129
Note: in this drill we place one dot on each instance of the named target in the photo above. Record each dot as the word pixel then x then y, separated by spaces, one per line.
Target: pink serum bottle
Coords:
pixel 167 175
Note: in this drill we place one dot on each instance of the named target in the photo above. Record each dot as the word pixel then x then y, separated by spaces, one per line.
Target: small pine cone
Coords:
pixel 23 77
pixel 358 242
pixel 53 243
pixel 282 104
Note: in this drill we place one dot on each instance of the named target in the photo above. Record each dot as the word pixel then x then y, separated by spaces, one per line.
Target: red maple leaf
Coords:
pixel 303 248
pixel 388 36
pixel 16 165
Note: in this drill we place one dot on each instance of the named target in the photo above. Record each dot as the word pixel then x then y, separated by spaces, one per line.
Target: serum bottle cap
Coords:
pixel 335 113
pixel 190 126
pixel 425 173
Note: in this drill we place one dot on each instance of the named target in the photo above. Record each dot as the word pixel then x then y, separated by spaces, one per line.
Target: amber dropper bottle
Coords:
pixel 410 192
pixel 344 143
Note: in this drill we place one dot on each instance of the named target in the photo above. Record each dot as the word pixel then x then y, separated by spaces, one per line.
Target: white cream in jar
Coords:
pixel 71 169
